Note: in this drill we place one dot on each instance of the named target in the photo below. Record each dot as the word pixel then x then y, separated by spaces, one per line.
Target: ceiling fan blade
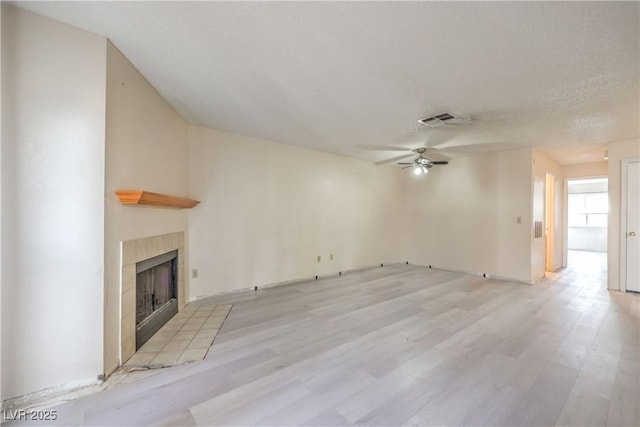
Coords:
pixel 440 162
pixel 482 147
pixel 405 163
pixel 438 157
pixel 393 159
pixel 437 138
pixel 383 148
pixel 407 167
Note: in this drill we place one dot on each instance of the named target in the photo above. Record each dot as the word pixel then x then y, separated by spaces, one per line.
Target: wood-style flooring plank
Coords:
pixel 400 345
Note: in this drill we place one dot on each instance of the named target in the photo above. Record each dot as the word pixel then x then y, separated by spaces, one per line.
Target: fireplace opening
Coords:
pixel 156 294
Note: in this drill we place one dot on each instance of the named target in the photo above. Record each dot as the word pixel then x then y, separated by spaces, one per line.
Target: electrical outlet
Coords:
pixel 518 220
pixel 319 258
pixel 330 257
pixel 194 273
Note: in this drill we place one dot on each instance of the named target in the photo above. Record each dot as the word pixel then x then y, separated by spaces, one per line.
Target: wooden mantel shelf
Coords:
pixel 141 197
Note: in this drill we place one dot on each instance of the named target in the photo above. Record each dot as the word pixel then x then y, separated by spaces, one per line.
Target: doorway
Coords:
pixel 549 214
pixel 588 211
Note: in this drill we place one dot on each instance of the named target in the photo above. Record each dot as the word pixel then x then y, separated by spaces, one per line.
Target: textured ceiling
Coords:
pixel 336 76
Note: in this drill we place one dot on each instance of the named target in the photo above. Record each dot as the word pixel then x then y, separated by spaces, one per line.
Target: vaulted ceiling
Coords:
pixel 341 76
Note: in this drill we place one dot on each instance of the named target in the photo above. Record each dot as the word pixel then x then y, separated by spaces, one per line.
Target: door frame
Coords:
pixel 549 219
pixel 624 173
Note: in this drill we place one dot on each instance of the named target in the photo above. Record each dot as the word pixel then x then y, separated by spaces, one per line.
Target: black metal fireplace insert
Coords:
pixel 156 294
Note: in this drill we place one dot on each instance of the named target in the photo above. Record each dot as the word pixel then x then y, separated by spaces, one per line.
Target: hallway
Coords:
pixel 590 268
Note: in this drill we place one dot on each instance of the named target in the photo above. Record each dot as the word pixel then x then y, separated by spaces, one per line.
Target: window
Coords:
pixel 588 209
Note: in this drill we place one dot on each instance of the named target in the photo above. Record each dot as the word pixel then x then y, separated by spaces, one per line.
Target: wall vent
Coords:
pixel 442 119
pixel 537 230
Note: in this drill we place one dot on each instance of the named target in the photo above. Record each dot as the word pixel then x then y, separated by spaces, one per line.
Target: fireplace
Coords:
pixel 156 294
pixel 133 253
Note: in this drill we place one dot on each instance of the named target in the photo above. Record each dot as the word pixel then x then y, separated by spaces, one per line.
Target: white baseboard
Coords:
pixel 293 281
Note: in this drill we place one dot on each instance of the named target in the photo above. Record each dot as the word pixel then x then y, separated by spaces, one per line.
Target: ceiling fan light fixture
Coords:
pixel 421 164
pixel 420 169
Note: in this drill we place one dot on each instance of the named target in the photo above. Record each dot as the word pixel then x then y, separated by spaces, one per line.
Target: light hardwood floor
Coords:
pixel 401 345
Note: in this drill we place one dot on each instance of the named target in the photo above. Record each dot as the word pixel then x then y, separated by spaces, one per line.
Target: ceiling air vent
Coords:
pixel 442 119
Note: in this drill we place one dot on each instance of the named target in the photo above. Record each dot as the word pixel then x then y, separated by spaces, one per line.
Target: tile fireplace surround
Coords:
pixel 134 251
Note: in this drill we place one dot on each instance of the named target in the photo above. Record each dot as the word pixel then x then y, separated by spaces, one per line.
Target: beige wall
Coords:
pixel 543 165
pixel 146 148
pixel 269 209
pixel 618 151
pixel 53 115
pixel 464 216
pixel 594 169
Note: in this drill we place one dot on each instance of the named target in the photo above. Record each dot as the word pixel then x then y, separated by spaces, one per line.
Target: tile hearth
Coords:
pixel 185 338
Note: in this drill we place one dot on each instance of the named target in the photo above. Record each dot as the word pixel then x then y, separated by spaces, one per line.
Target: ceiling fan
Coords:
pixel 422 164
